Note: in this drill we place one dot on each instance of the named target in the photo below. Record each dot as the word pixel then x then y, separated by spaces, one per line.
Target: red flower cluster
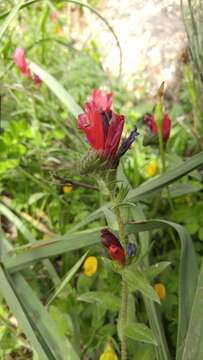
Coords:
pixel 21 63
pixel 166 125
pixel 113 245
pixel 103 128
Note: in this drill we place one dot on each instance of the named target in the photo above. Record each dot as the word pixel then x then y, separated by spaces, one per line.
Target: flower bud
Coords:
pixel 131 249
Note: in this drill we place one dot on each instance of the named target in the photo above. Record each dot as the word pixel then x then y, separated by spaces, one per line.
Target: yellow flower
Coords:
pixel 90 266
pixel 160 290
pixel 152 168
pixel 67 189
pixel 108 354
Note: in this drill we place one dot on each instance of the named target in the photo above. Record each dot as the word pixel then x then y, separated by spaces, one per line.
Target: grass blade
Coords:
pixel 170 176
pixel 188 272
pixel 57 89
pixel 140 332
pixel 51 248
pixel 193 348
pixel 67 278
pixel 10 18
pixel 29 237
pixel 17 309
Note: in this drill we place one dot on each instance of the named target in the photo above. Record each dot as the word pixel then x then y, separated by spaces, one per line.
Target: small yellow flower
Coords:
pixel 160 290
pixel 152 168
pixel 90 266
pixel 67 189
pixel 108 354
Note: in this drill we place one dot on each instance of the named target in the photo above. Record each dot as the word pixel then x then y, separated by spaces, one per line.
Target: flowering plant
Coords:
pixel 103 129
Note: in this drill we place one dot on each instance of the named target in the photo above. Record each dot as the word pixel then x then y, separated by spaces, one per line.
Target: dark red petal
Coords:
pixel 117 253
pixel 151 123
pixel 166 127
pixel 37 80
pixel 114 135
pixel 101 100
pixel 108 238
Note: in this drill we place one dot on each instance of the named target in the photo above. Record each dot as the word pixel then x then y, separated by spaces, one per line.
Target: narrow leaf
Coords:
pixel 140 332
pixel 67 278
pixel 137 281
pixel 188 272
pixel 10 18
pixel 57 89
pixel 103 299
pixel 193 349
pixel 29 237
pixel 170 176
pixel 154 270
pixel 48 249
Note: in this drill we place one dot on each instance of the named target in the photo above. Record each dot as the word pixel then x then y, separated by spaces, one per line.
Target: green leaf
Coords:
pixel 140 332
pixel 144 352
pixel 63 321
pixel 180 189
pixel 137 281
pixel 45 249
pixel 154 270
pixel 10 18
pixel 153 312
pixel 14 303
pixel 29 237
pixel 200 234
pixel 193 343
pixel 57 89
pixel 45 328
pixel 104 299
pixel 67 278
pixel 170 176
pixel 34 319
pixel 188 273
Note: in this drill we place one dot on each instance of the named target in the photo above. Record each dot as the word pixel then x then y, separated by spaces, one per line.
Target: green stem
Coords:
pixel 162 151
pixel 163 161
pixel 124 293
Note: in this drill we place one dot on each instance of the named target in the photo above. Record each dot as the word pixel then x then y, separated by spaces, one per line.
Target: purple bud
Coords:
pixel 109 238
pixel 131 249
pixel 126 144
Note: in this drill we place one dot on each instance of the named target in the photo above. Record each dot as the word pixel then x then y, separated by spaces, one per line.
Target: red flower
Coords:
pixel 166 125
pixel 21 63
pixel 117 253
pixel 113 245
pixel 108 238
pixel 103 128
pixel 102 101
pixel 37 80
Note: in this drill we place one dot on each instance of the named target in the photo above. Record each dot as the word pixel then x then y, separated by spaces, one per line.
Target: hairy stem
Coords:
pixel 163 162
pixel 124 292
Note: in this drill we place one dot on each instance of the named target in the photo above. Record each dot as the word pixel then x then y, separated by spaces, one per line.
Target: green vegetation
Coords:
pixel 56 196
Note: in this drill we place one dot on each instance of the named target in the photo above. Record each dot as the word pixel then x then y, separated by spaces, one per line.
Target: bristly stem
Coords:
pixel 124 292
pixel 163 162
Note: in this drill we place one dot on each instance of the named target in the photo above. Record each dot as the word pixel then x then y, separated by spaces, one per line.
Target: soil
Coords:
pixel 151 34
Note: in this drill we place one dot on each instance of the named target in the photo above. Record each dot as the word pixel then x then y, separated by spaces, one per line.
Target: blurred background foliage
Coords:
pixel 38 138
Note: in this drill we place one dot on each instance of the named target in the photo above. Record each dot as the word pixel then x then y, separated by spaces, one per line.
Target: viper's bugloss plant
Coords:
pixel 103 129
pixel 64 306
